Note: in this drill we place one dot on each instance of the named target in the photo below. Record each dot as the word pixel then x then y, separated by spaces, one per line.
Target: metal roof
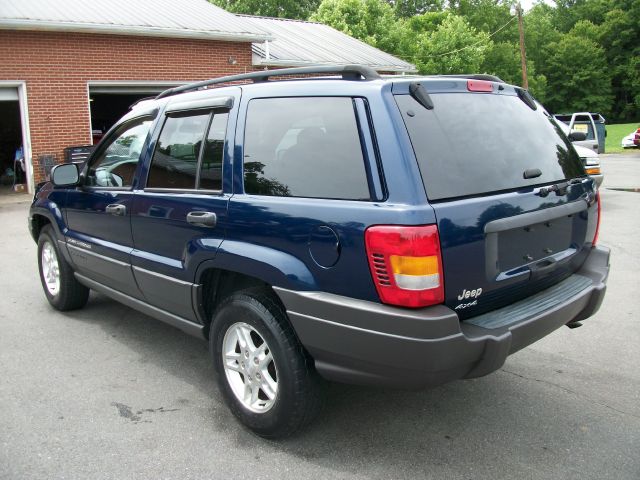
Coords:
pixel 165 18
pixel 300 43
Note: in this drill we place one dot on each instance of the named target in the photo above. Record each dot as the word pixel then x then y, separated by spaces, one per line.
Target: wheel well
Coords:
pixel 37 224
pixel 218 284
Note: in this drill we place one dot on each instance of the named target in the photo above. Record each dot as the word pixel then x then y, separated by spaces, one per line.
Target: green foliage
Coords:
pixel 581 54
pixel 488 16
pixel 454 47
pixel 577 69
pixel 409 8
pixel 371 21
pixel 297 9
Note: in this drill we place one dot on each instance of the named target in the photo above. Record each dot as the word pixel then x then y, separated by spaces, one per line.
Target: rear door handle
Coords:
pixel 116 209
pixel 202 219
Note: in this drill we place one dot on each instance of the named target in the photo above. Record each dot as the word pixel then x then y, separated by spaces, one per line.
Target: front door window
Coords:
pixel 116 162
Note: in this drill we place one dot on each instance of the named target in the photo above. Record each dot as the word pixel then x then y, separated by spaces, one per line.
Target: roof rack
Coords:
pixel 476 76
pixel 348 72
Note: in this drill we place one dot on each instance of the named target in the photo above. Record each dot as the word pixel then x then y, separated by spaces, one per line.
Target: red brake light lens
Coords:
pixel 595 236
pixel 406 264
pixel 479 86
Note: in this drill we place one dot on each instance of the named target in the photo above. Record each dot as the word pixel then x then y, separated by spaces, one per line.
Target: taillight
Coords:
pixel 595 236
pixel 406 264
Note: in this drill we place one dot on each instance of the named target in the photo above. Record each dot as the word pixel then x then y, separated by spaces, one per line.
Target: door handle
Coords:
pixel 116 209
pixel 202 219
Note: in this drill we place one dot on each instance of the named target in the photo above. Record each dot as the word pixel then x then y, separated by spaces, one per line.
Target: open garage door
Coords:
pixel 109 102
pixel 13 167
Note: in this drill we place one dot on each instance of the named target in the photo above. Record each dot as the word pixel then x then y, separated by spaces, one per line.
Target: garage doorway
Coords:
pixel 15 147
pixel 108 102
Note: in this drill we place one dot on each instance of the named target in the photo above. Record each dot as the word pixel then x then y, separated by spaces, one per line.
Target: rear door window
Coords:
pixel 184 157
pixel 213 153
pixel 304 147
pixel 471 144
pixel 175 160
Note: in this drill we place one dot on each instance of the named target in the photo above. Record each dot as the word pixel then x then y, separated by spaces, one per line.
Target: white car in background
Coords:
pixel 632 140
pixel 591 162
pixel 590 159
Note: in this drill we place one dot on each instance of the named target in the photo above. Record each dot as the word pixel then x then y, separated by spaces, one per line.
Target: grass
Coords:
pixel 615 133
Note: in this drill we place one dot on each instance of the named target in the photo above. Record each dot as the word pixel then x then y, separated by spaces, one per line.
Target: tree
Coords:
pixel 620 38
pixel 488 16
pixel 454 47
pixel 296 9
pixel 503 59
pixel 410 8
pixel 371 21
pixel 578 76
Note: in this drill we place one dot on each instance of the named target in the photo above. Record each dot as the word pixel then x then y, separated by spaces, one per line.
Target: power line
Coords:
pixel 477 43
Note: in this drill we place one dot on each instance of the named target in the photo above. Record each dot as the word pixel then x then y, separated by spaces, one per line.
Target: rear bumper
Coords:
pixel 360 342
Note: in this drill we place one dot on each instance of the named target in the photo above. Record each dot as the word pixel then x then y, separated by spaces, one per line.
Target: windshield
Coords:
pixel 471 144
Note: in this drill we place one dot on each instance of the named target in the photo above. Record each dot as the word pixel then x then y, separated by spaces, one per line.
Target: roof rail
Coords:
pixel 348 72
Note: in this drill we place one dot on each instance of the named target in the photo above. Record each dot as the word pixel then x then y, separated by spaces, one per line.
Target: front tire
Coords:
pixel 264 374
pixel 60 286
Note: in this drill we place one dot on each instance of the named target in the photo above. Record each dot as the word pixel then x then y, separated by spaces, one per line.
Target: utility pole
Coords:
pixel 523 54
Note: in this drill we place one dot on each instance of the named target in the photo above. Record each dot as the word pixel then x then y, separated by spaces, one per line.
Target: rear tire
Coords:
pixel 266 377
pixel 60 286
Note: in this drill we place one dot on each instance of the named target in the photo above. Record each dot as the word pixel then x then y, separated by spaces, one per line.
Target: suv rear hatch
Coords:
pixel 516 212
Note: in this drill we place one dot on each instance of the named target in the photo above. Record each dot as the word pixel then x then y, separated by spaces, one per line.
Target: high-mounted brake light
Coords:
pixel 479 86
pixel 595 236
pixel 406 264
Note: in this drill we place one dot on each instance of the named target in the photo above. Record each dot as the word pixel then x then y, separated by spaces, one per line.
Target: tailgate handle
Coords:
pixel 202 219
pixel 543 267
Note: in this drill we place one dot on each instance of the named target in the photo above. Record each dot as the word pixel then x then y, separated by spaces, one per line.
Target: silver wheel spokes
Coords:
pixel 249 367
pixel 50 269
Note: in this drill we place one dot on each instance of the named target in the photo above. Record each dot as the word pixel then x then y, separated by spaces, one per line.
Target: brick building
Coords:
pixel 70 68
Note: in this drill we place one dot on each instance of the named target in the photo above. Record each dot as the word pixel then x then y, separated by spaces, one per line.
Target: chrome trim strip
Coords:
pixel 201 191
pixel 164 277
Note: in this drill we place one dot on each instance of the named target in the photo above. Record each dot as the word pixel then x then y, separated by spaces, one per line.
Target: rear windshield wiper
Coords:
pixel 420 95
pixel 559 188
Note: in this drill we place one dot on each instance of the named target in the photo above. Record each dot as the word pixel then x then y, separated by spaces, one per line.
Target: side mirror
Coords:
pixel 65 175
pixel 576 136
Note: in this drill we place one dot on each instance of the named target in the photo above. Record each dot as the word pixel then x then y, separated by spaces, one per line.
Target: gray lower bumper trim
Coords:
pixel 534 305
pixel 185 325
pixel 361 342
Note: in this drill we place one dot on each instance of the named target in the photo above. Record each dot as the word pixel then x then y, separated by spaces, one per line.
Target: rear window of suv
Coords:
pixel 471 144
pixel 304 147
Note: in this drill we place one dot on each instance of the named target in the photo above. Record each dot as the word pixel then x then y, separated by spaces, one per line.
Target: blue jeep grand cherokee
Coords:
pixel 399 232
